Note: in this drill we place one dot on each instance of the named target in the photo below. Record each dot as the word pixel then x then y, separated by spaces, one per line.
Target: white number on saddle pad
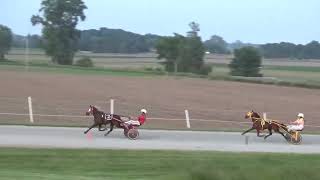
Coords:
pixel 109 117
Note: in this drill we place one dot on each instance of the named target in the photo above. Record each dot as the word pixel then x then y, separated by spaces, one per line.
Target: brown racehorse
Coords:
pixel 101 118
pixel 260 124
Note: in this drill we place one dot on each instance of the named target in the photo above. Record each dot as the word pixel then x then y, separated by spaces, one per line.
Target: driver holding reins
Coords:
pixel 298 124
pixel 141 119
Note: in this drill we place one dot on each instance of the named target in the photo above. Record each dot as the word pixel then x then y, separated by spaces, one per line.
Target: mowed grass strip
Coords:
pixel 283 75
pixel 77 70
pixel 33 164
pixel 306 77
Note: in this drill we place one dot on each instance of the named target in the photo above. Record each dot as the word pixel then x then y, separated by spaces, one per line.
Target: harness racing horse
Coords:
pixel 101 118
pixel 261 124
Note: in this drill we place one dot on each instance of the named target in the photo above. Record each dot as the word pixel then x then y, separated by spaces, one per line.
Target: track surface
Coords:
pixel 49 137
pixel 163 96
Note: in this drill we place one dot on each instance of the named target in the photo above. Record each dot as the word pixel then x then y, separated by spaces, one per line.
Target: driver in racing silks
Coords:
pixel 141 119
pixel 298 124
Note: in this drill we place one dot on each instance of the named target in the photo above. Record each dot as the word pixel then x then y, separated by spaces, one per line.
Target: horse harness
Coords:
pixel 262 121
pixel 107 117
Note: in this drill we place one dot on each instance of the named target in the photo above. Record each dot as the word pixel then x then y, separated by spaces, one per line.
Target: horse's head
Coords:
pixel 251 114
pixel 90 110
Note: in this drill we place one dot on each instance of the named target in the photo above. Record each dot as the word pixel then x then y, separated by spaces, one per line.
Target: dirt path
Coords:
pixel 166 97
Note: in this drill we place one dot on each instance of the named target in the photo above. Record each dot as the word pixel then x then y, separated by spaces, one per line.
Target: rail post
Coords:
pixel 30 109
pixel 246 140
pixel 265 116
pixel 187 118
pixel 111 106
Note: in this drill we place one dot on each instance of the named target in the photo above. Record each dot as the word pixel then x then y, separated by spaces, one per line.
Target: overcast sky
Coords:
pixel 255 21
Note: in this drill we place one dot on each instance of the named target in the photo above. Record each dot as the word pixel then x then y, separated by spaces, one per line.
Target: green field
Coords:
pixel 286 75
pixel 103 60
pixel 302 74
pixel 308 77
pixel 35 67
pixel 33 164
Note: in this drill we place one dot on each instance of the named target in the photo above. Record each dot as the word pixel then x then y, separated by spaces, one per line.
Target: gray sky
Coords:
pixel 255 21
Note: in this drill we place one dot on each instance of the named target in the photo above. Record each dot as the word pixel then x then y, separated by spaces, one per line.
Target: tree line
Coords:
pixel 61 39
pixel 290 50
pixel 103 40
pixel 217 44
pixel 107 40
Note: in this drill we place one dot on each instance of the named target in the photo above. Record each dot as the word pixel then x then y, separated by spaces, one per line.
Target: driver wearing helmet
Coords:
pixel 141 119
pixel 298 124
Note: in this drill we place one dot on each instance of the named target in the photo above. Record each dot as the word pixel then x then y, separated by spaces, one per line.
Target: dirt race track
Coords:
pixel 164 97
pixel 54 137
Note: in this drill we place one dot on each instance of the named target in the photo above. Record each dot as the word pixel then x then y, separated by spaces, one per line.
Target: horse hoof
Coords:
pixel 105 134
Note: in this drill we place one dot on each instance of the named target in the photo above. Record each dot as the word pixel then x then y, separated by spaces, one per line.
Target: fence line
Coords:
pixel 44 115
pixel 151 118
pixel 11 100
pixel 20 99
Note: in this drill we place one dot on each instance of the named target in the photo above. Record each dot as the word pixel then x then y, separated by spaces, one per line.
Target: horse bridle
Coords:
pixel 262 121
pixel 256 119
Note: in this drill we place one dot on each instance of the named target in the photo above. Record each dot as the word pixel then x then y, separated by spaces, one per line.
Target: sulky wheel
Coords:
pixel 296 141
pixel 133 134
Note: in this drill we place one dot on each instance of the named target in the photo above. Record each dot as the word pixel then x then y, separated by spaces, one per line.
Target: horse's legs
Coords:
pixel 248 130
pixel 100 125
pixel 278 131
pixel 111 129
pixel 258 133
pixel 93 125
pixel 270 133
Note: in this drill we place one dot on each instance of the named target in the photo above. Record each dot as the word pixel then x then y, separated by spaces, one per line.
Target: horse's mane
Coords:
pixel 98 108
pixel 256 114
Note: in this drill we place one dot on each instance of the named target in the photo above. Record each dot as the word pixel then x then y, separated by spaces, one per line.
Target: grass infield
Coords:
pixel 33 164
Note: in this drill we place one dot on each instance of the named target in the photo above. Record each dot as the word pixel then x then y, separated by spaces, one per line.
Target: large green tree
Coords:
pixel 5 40
pixel 195 28
pixel 183 54
pixel 192 54
pixel 170 48
pixel 59 20
pixel 246 62
pixel 217 44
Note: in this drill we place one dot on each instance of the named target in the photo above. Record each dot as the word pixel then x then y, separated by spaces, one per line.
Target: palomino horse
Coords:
pixel 101 118
pixel 260 124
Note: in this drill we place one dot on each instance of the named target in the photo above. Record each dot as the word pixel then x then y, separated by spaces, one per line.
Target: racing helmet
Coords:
pixel 301 115
pixel 143 111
